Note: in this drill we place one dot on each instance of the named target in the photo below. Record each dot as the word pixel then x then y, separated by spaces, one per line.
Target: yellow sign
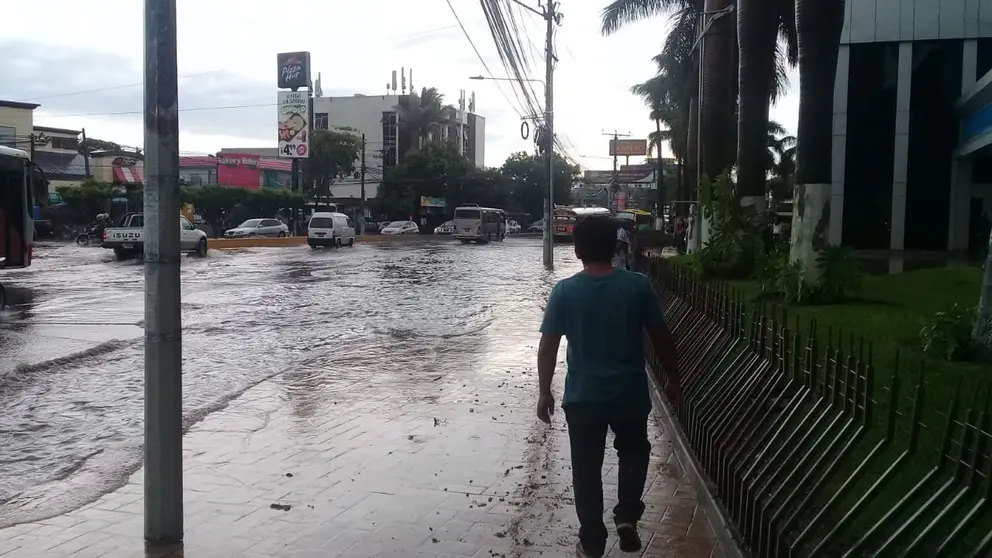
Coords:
pixel 188 211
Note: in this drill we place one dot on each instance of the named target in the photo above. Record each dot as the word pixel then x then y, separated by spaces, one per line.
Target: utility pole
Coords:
pixel 615 183
pixel 549 12
pixel 86 154
pixel 361 225
pixel 163 324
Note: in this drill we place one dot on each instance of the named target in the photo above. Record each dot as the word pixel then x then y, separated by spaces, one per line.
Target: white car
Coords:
pixel 330 229
pixel 258 227
pixel 447 227
pixel 401 227
pixel 537 226
pixel 512 227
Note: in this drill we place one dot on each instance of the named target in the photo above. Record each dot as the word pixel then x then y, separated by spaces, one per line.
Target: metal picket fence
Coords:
pixel 806 453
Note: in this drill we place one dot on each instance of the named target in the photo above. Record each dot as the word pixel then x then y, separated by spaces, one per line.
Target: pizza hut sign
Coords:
pixel 294 70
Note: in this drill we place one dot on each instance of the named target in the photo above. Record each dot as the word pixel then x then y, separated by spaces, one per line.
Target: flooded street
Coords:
pixel 374 317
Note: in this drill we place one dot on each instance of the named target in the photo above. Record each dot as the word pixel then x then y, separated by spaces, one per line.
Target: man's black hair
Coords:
pixel 595 239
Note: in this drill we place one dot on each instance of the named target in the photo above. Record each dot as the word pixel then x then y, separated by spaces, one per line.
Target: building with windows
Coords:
pixel 377 117
pixel 16 124
pixel 912 125
pixel 56 151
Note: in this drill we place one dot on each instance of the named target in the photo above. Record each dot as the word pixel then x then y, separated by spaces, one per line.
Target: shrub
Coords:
pixel 947 334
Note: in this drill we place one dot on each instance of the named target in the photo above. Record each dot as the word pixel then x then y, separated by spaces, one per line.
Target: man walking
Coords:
pixel 603 312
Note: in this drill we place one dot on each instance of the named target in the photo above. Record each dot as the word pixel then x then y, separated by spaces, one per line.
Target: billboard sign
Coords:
pixel 240 170
pixel 294 124
pixel 294 69
pixel 628 148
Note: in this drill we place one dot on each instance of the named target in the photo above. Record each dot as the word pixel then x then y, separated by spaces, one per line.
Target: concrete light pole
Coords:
pixel 163 323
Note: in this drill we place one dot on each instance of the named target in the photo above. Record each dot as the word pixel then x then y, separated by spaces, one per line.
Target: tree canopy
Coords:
pixel 439 171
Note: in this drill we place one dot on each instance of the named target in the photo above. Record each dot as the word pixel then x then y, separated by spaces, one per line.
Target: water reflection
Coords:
pixel 327 322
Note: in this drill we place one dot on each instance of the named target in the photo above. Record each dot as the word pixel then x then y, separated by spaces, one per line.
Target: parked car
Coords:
pixel 536 226
pixel 512 227
pixel 401 227
pixel 447 227
pixel 128 240
pixel 258 227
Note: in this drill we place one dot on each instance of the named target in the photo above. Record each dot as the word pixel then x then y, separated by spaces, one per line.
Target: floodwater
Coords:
pixel 71 356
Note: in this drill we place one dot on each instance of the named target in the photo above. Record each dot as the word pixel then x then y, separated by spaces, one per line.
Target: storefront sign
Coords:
pixel 240 170
pixel 294 69
pixel 294 124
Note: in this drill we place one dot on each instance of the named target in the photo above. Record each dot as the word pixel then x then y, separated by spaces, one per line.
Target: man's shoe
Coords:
pixel 581 552
pixel 630 541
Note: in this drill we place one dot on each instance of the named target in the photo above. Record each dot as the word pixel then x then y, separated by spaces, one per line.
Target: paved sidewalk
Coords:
pixel 446 466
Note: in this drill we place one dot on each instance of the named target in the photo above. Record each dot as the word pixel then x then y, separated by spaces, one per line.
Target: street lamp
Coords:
pixel 549 199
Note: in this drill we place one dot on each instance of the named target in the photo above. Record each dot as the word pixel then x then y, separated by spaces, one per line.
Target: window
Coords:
pixel 65 143
pixel 8 136
pixel 321 223
pixel 183 223
pixel 350 223
pixel 389 138
pixel 320 121
pixel 270 223
pixel 466 213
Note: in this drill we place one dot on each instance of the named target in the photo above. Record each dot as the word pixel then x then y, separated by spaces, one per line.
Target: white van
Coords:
pixel 330 229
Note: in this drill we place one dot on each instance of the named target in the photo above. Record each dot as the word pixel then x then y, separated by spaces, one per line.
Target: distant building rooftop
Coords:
pixel 18 105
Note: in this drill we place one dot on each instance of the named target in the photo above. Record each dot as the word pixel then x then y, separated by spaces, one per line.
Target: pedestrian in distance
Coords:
pixel 603 313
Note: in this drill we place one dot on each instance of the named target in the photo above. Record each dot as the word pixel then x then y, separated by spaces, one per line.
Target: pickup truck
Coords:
pixel 127 240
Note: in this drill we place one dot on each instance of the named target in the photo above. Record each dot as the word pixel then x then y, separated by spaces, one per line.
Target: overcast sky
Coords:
pixel 227 52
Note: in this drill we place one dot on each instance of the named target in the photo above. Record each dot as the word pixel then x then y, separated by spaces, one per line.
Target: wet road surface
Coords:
pixel 389 403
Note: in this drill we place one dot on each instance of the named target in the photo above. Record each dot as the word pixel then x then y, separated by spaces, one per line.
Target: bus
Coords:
pixel 565 218
pixel 643 220
pixel 479 224
pixel 19 182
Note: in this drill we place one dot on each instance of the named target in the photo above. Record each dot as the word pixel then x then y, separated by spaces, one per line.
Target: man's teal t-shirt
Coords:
pixel 603 318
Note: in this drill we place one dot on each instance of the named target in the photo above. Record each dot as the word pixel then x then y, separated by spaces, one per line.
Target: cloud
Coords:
pixel 82 82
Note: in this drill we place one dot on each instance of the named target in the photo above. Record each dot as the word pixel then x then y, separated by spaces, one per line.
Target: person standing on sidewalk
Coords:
pixel 603 312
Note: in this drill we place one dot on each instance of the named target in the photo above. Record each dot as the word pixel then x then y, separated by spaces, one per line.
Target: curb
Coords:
pixel 725 530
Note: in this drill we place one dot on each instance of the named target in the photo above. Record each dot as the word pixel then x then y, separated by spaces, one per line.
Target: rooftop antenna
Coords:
pixel 394 82
pixel 403 80
pixel 411 81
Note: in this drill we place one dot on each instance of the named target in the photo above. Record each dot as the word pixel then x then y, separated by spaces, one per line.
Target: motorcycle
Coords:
pixel 93 233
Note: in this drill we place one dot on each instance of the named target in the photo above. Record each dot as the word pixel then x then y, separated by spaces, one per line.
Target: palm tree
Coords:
pixel 420 114
pixel 982 334
pixel 679 61
pixel 759 25
pixel 818 26
pixel 780 158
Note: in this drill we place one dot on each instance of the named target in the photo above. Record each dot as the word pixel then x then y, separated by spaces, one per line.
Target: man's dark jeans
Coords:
pixel 587 426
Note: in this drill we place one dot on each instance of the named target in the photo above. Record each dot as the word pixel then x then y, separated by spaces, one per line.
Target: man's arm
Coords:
pixel 547 356
pixel 552 329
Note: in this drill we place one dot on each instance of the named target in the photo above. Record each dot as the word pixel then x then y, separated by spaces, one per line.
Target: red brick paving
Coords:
pixel 377 468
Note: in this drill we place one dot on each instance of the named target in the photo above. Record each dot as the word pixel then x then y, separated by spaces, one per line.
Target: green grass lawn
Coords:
pixel 889 313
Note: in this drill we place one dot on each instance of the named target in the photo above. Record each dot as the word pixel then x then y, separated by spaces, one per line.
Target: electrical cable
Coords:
pixel 481 59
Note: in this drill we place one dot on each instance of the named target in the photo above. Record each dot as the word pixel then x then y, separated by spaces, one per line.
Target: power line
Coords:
pixel 111 88
pixel 481 59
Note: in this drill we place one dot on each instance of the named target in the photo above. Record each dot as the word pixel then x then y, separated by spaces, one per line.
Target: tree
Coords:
pixel 781 159
pixel 420 114
pixel 758 26
pixel 433 171
pixel 88 199
pixel 334 155
pixel 678 66
pixel 982 333
pixel 527 178
pixel 215 203
pixel 818 25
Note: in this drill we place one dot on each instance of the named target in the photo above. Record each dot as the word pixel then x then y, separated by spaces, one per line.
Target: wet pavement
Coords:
pixel 381 397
